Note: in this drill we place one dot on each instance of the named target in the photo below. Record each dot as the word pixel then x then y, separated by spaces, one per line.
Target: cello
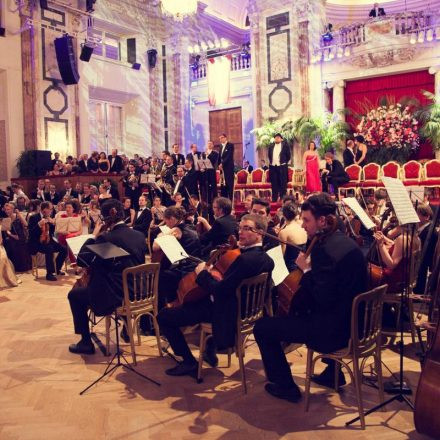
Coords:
pixel 220 260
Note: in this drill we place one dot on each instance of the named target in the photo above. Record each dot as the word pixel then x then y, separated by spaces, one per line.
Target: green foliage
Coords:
pixel 26 165
pixel 265 134
pixel 429 117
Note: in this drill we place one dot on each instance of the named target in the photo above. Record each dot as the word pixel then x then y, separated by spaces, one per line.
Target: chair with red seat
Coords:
pixel 412 173
pixel 265 190
pixel 255 182
pixel 432 174
pixel 371 176
pixel 290 174
pixel 241 181
pixel 391 169
pixel 354 172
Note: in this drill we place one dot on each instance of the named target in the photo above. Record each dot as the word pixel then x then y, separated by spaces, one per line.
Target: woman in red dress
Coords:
pixel 311 169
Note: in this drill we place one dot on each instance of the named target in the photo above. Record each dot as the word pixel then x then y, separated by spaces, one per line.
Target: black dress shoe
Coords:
pixel 210 357
pixel 82 348
pixel 51 277
pixel 61 273
pixel 327 378
pixel 292 394
pixel 182 370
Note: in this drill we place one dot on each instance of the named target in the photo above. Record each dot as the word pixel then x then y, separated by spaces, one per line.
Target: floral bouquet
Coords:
pixel 391 127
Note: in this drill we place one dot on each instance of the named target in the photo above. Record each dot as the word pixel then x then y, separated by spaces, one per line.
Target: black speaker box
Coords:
pixel 66 59
pixel 86 53
pixel 152 57
pixel 131 50
pixel 42 161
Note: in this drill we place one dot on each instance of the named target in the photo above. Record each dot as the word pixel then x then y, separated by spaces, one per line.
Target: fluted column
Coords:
pixel 339 98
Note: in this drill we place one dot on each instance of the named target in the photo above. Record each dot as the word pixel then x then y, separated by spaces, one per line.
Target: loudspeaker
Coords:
pixel 152 57
pixel 86 53
pixel 43 4
pixel 131 50
pixel 136 66
pixel 66 59
pixel 2 31
pixel 42 161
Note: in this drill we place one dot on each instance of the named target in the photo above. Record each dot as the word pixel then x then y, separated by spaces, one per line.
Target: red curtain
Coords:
pixel 396 86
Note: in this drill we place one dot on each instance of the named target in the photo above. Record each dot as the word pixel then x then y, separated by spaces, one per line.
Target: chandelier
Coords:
pixel 179 9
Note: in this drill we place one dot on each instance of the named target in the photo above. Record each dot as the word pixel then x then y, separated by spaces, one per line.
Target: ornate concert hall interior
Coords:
pixel 245 149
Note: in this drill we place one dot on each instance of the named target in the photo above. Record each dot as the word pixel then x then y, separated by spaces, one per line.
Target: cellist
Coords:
pixel 220 306
pixel 320 313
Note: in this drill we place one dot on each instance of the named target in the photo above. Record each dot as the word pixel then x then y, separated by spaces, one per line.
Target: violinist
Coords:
pixel 320 314
pixel 261 208
pixel 41 230
pixel 220 307
pixel 104 291
pixel 170 276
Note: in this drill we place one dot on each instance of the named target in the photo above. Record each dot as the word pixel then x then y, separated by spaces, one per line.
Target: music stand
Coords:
pixel 407 216
pixel 107 252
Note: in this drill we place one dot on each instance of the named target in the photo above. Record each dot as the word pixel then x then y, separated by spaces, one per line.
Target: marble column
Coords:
pixel 339 99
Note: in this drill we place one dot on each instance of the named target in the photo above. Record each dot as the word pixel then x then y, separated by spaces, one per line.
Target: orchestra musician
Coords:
pixel 333 174
pixel 220 307
pixel 209 179
pixel 104 291
pixel 143 216
pixel 320 314
pixel 261 208
pixel 226 164
pixel 41 229
pixel 178 158
pixel 131 185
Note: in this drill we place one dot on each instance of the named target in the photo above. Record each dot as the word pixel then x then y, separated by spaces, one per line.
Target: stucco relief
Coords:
pixel 383 58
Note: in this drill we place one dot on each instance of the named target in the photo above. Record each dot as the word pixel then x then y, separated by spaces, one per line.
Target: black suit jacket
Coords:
pixel 324 300
pixel 82 166
pixel 381 12
pixel 35 195
pixel 105 285
pixel 226 159
pixel 190 182
pixel 73 194
pixel 348 157
pixel 142 222
pixel 178 159
pixel 213 157
pixel 53 198
pixel 116 164
pixel 251 262
pixel 34 231
pixel 337 170
pixel 284 154
pixel 221 229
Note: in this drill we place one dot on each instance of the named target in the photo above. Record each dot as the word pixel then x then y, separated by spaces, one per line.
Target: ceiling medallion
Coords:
pixel 179 9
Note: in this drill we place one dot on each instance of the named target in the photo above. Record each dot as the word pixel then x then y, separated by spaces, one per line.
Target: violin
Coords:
pixel 291 284
pixel 45 233
pixel 220 260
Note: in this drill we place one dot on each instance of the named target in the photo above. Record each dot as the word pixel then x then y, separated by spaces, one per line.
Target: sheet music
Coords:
pixel 353 204
pixel 400 200
pixel 171 248
pixel 75 243
pixel 280 270
pixel 205 164
pixel 165 229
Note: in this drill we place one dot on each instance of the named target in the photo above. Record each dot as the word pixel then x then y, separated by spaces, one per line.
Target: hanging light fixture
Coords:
pixel 179 9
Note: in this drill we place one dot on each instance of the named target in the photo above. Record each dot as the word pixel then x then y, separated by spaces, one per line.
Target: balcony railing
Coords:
pixel 237 63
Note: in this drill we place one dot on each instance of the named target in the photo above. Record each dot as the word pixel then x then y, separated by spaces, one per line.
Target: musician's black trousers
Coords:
pixel 48 250
pixel 335 181
pixel 170 320
pixel 278 178
pixel 269 333
pixel 79 299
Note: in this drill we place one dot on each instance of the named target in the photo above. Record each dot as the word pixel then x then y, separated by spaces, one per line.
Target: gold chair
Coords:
pixel 365 341
pixel 143 280
pixel 36 263
pixel 251 299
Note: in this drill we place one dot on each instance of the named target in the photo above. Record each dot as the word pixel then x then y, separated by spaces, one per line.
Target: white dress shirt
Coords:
pixel 276 154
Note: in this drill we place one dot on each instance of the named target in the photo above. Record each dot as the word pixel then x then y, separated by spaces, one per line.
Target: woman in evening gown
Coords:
pixel 311 168
pixel 7 274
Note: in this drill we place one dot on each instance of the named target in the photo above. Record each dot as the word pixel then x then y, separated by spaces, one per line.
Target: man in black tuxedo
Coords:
pixel 53 196
pixel 333 174
pixel 40 193
pixel 178 158
pixel 68 190
pixel 143 216
pixel 279 157
pixel 131 186
pixel 209 178
pixel 194 156
pixel 220 307
pixel 226 164
pixel 376 11
pixel 104 292
pixel 261 208
pixel 112 190
pixel 224 225
pixel 82 163
pixel 321 314
pixel 36 224
pixel 190 178
pixel 246 166
pixel 116 163
pixel 56 158
pixel 349 155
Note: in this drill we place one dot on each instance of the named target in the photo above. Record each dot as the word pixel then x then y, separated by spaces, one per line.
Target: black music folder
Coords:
pixel 107 251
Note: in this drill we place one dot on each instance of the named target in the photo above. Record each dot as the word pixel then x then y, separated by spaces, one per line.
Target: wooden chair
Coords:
pixel 432 174
pixel 371 173
pixel 251 300
pixel 143 280
pixel 35 261
pixel 354 172
pixel 242 179
pixel 365 341
pixel 412 173
pixel 391 169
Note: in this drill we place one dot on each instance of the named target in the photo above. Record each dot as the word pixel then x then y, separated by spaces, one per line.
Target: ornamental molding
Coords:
pixel 383 58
